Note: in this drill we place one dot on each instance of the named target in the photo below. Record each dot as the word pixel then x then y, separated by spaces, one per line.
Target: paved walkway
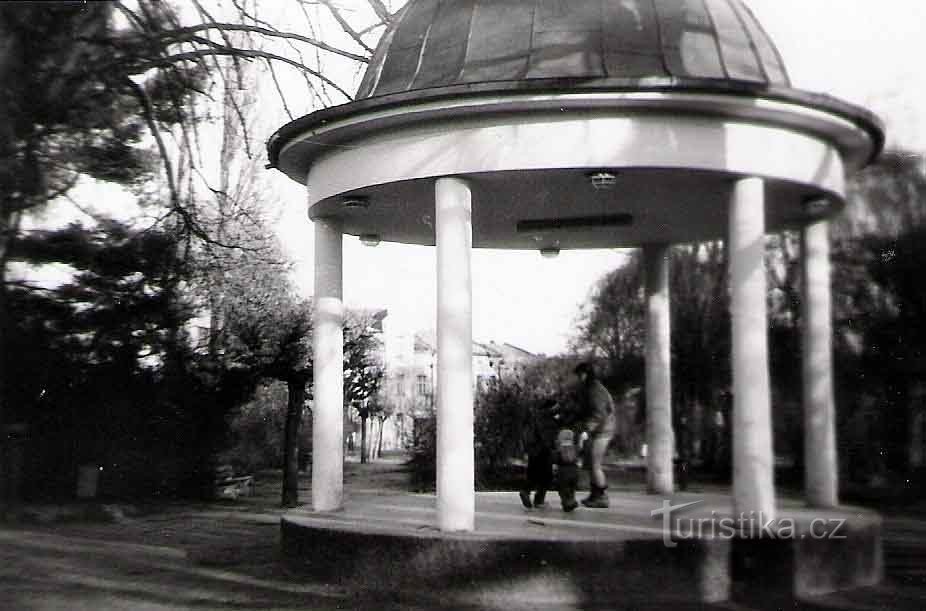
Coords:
pixel 500 515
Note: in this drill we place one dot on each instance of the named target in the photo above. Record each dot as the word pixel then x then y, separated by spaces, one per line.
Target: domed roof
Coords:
pixel 528 99
pixel 437 51
pixel 500 44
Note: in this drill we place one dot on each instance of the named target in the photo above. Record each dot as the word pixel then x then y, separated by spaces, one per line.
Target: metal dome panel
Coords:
pixel 443 43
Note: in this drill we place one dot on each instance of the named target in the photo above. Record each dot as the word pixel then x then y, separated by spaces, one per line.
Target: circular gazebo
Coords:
pixel 551 125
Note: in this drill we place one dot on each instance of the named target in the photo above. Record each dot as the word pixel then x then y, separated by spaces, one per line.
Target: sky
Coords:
pixel 863 52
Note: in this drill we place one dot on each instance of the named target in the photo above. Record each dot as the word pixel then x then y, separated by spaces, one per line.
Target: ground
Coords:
pixel 225 555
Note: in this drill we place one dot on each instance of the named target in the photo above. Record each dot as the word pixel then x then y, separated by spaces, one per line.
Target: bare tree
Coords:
pixel 363 374
pixel 84 87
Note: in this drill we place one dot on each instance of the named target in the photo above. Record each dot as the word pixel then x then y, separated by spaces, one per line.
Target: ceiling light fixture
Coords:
pixel 356 202
pixel 603 181
pixel 816 205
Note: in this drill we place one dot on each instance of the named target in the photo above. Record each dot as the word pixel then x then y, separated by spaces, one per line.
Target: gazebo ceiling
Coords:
pixel 530 98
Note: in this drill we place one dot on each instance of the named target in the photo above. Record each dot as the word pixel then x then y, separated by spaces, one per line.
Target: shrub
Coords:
pixel 257 432
pixel 499 418
pixel 500 413
pixel 423 461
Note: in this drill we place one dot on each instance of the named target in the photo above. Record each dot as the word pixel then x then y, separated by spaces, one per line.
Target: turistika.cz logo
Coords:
pixel 751 525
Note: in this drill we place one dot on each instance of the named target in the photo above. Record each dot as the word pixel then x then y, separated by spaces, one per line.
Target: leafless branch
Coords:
pixel 276 84
pixel 326 100
pixel 249 53
pixel 131 16
pixel 370 28
pixel 23 284
pixel 381 11
pixel 228 42
pixel 148 113
pixel 64 188
pixel 336 13
pixel 179 35
pixel 82 209
pixel 177 207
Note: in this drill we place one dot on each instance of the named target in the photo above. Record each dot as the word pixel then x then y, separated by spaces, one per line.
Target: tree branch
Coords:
pixel 188 221
pixel 276 83
pixel 224 34
pixel 324 97
pixel 381 11
pixel 249 53
pixel 148 114
pixel 231 27
pixel 23 284
pixel 346 26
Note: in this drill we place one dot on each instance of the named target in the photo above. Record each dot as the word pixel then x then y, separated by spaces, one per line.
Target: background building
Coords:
pixel 410 363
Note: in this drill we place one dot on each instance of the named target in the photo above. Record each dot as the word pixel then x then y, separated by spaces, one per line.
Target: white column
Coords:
pixel 659 435
pixel 456 497
pixel 753 460
pixel 820 462
pixel 328 357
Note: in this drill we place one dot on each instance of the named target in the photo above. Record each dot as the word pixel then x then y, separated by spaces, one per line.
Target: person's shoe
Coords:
pixel 539 499
pixel 600 502
pixel 598 499
pixel 592 495
pixel 570 505
pixel 525 498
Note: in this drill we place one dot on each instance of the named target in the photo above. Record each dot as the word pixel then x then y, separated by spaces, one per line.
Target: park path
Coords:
pixel 226 556
pixel 223 555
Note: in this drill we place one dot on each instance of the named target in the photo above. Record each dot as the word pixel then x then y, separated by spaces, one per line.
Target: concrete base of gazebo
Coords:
pixel 620 555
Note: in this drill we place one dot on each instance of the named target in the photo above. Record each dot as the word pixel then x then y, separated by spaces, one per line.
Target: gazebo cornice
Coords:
pixel 855 130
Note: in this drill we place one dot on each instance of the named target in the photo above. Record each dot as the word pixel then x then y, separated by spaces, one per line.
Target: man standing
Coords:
pixel 599 421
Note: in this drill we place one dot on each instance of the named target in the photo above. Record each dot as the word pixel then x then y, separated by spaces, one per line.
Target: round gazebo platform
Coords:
pixel 517 558
pixel 550 125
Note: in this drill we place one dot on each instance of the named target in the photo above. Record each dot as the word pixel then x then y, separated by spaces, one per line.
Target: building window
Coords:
pixel 422 385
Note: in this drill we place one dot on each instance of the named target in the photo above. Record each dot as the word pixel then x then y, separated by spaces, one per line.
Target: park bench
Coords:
pixel 230 486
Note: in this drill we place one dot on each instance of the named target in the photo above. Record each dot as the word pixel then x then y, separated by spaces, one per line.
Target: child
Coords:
pixel 539 438
pixel 567 460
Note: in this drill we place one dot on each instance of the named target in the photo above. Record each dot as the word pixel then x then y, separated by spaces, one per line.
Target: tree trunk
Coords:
pixel 371 439
pixel 372 455
pixel 296 388
pixel 5 232
pixel 379 442
pixel 10 56
pixel 363 439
